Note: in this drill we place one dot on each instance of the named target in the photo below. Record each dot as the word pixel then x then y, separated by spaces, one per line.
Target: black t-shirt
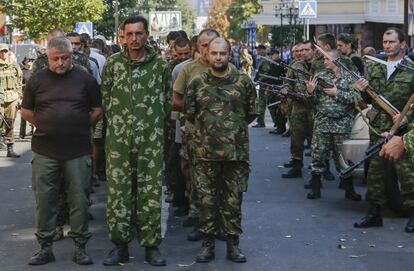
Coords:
pixel 61 105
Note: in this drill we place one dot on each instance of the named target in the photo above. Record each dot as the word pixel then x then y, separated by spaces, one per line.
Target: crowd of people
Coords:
pixel 134 116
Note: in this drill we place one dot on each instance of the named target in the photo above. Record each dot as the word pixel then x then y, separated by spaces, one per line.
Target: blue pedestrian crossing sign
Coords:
pixel 84 27
pixel 308 9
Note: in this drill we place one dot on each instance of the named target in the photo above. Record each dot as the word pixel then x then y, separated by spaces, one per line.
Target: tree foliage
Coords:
pixel 36 17
pixel 106 26
pixel 217 16
pixel 239 12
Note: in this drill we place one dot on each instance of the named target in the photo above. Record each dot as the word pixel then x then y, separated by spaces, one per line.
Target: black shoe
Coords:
pixel 348 185
pixel 309 185
pixel 315 186
pixel 58 234
pixel 190 222
pixel 410 225
pixel 10 152
pixel 233 252
pixel 372 219
pixel 80 256
pixel 295 171
pixel 258 125
pixel 195 235
pixel 342 184
pixel 117 255
pixel 207 251
pixel 44 256
pixel 181 211
pixel 153 256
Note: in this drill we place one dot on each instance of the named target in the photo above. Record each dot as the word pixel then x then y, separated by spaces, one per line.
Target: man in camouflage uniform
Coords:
pixel 136 91
pixel 188 72
pixel 265 97
pixel 11 78
pixel 335 113
pixel 346 45
pixel 301 117
pixel 220 104
pixel 396 86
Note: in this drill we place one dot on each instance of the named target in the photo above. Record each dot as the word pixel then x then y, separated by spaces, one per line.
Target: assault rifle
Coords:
pixel 308 75
pixel 398 128
pixel 375 95
pixel 276 89
pixel 398 66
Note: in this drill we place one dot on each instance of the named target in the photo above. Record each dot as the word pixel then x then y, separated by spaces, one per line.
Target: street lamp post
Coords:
pixel 287 9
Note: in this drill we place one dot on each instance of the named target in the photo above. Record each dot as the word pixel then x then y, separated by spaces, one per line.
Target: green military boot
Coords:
pixel 80 256
pixel 153 256
pixel 350 193
pixel 117 255
pixel 295 171
pixel 10 151
pixel 44 255
pixel 372 219
pixel 233 252
pixel 316 187
pixel 207 251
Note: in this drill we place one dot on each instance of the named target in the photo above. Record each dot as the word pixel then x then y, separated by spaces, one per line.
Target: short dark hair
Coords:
pixel 328 38
pixel 173 35
pixel 183 33
pixel 85 38
pixel 182 42
pixel 400 33
pixel 309 42
pixel 209 32
pixel 72 34
pixel 133 19
pixel 193 41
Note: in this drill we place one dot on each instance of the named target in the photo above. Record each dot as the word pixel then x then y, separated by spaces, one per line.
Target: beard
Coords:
pixel 221 68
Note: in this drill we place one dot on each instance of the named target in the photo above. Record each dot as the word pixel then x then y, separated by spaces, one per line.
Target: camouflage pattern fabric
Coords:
pixel 11 79
pixel 397 90
pixel 318 66
pixel 333 119
pixel 220 110
pixel 219 185
pixel 408 139
pixel 136 102
pixel 301 116
pixel 246 63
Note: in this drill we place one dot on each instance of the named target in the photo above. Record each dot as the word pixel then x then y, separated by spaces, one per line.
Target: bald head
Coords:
pixel 219 54
pixel 224 42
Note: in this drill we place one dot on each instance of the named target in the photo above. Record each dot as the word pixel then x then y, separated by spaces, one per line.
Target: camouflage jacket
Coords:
pixel 297 86
pixel 267 68
pixel 335 114
pixel 220 110
pixel 78 58
pixel 408 139
pixel 357 61
pixel 11 79
pixel 136 99
pixel 397 90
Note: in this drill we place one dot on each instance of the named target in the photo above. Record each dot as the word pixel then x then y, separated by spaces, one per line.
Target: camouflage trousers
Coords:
pixel 381 170
pixel 322 145
pixel 262 102
pixel 301 128
pixel 10 112
pixel 191 191
pixel 134 183
pixel 220 186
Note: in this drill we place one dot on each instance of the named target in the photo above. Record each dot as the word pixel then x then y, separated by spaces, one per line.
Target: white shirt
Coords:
pixel 391 67
pixel 99 58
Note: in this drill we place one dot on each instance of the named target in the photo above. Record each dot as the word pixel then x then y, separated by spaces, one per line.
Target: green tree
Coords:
pixel 239 12
pixel 36 17
pixel 217 16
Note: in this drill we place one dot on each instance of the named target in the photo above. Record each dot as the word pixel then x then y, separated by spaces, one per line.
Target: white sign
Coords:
pixel 84 27
pixel 162 22
pixel 308 9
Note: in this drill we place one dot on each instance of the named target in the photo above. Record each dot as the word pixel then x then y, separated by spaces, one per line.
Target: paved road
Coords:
pixel 283 230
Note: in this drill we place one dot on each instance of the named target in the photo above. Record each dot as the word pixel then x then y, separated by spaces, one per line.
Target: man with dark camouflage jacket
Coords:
pixel 396 86
pixel 220 104
pixel 333 121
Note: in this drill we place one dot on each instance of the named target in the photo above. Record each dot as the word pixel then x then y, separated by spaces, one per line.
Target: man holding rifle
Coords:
pixel 396 86
pixel 301 117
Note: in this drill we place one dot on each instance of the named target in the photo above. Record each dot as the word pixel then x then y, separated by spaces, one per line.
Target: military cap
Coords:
pixel 344 37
